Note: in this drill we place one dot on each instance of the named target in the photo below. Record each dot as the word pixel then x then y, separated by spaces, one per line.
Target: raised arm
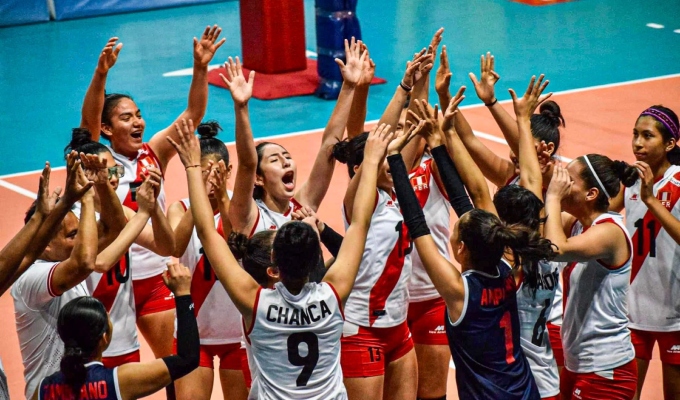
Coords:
pixel 93 104
pixel 442 80
pixel 219 180
pixel 240 286
pixel 530 169
pixel 242 209
pixel 357 114
pixel 137 380
pixel 668 221
pixel 313 191
pixel 344 270
pixel 204 51
pixel 396 105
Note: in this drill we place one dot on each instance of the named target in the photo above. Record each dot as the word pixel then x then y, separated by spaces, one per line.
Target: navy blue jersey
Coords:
pixel 101 384
pixel 485 341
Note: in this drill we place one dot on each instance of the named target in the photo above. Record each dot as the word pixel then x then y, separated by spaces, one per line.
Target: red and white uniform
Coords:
pixel 272 220
pixel 380 296
pixel 654 282
pixel 595 330
pixel 217 317
pixel 145 262
pixel 534 309
pixel 434 202
pixel 36 309
pixel 295 344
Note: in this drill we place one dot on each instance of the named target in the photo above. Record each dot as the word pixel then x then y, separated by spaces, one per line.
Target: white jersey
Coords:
pixel 114 290
pixel 217 317
pixel 295 344
pixel 272 220
pixel 145 263
pixel 380 295
pixel 36 309
pixel 534 309
pixel 654 282
pixel 434 202
pixel 595 333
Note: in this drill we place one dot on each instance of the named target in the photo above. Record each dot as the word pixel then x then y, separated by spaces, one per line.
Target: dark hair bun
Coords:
pixel 209 129
pixel 79 138
pixel 626 173
pixel 342 151
pixel 551 110
pixel 238 244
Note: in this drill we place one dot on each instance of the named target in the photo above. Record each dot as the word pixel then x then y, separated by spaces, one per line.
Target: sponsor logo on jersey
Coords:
pixel 634 197
pixel 438 330
pixel 675 349
pixel 390 203
pixel 577 393
pixel 272 227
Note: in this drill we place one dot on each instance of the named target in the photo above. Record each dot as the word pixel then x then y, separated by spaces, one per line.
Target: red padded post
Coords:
pixel 273 35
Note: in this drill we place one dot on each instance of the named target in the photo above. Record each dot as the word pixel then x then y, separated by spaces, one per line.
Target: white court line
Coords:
pixel 655 25
pixel 18 189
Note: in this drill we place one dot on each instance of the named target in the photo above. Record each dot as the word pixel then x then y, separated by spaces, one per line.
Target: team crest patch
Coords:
pixel 665 199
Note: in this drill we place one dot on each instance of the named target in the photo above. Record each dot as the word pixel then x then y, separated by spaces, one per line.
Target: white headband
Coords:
pixel 599 182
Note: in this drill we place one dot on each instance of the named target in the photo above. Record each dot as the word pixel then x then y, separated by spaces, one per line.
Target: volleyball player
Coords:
pixel 598 353
pixel 266 179
pixel 652 213
pixel 484 339
pixel 119 120
pixel 306 312
pixel 217 317
pixel 85 329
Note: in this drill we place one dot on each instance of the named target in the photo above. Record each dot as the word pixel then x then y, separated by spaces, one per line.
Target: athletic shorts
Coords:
pixel 619 383
pixel 246 369
pixel 555 337
pixel 669 345
pixel 117 361
pixel 230 355
pixel 426 322
pixel 556 397
pixel 152 296
pixel 365 351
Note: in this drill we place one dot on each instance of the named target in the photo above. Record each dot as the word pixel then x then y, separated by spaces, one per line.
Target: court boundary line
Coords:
pixel 482 135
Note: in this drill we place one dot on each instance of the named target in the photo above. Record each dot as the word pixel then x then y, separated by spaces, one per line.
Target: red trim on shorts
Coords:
pixel 117 361
pixel 252 323
pixel 630 251
pixel 50 290
pixel 342 311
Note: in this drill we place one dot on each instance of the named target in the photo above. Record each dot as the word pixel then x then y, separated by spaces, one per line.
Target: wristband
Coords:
pixel 192 166
pixel 403 86
pixel 495 100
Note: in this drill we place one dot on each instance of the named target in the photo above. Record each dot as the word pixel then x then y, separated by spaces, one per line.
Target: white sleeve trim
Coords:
pixel 115 384
pixel 465 305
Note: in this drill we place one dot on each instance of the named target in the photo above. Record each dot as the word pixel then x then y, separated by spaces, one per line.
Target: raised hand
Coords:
pixel 376 143
pixel 109 56
pixel 369 68
pixel 402 138
pixel 425 65
pixel 307 215
pixel 560 184
pixel 525 106
pixel 95 168
pixel 646 181
pixel 240 89
pixel 155 176
pixel 188 148
pixel 147 194
pixel 430 129
pixel 204 50
pixel 434 43
pixel 178 279
pixel 487 80
pixel 46 201
pixel 545 158
pixel 353 70
pixel 77 185
pixel 442 79
pixel 453 105
pixel 412 67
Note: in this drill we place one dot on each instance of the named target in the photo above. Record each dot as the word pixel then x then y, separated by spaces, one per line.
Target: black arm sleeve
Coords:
pixel 455 189
pixel 331 239
pixel 408 202
pixel 188 342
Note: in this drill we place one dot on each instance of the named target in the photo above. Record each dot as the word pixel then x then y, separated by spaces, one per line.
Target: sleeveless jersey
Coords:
pixel 114 290
pixel 295 344
pixel 380 295
pixel 145 263
pixel 36 309
pixel 216 315
pixel 654 281
pixel 595 333
pixel 557 309
pixel 534 310
pixel 432 198
pixel 272 220
pixel 485 340
pixel 101 384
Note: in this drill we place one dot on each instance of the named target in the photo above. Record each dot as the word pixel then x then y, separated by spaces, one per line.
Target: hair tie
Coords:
pixel 664 119
pixel 597 178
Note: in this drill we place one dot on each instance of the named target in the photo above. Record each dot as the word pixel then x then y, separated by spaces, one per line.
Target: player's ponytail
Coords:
pixel 606 176
pixel 81 324
pixel 351 152
pixel 545 126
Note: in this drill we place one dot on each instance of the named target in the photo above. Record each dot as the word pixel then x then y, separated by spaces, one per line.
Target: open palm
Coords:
pixel 204 50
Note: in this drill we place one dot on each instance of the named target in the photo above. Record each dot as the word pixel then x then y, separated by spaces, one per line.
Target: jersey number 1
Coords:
pixel 308 362
pixel 651 226
pixel 506 325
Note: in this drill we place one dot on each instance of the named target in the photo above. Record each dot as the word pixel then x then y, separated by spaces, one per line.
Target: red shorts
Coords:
pixel 245 368
pixel 229 354
pixel 617 384
pixel 556 397
pixel 152 296
pixel 365 351
pixel 555 337
pixel 669 345
pixel 117 361
pixel 426 322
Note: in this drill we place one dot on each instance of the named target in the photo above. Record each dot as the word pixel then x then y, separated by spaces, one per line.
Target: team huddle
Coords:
pixel 539 291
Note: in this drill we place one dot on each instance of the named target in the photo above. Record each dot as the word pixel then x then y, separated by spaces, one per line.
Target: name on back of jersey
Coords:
pixel 298 316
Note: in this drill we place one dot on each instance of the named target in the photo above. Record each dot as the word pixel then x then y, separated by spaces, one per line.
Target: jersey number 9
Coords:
pixel 308 362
